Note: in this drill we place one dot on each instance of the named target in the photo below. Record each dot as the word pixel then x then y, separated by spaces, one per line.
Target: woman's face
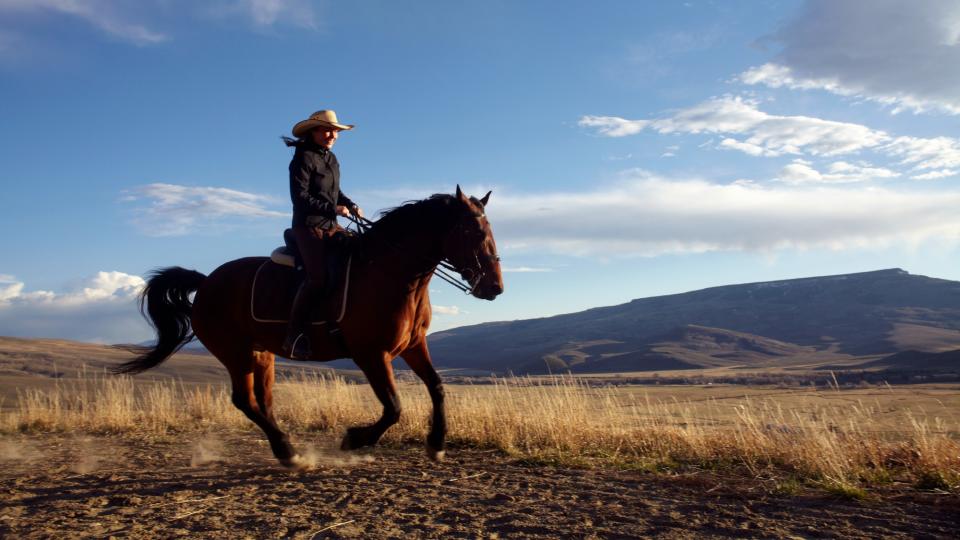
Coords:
pixel 325 136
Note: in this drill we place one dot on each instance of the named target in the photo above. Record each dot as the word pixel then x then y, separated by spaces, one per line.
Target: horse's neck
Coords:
pixel 408 261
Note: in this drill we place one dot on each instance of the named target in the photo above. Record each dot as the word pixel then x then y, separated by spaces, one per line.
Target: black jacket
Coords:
pixel 315 187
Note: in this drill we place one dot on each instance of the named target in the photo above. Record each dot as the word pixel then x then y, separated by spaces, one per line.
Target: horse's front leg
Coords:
pixel 418 358
pixel 379 372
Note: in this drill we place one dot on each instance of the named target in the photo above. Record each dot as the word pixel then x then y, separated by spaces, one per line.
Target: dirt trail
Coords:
pixel 150 489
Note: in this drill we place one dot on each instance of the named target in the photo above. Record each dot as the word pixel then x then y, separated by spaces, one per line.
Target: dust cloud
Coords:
pixel 89 457
pixel 313 456
pixel 207 450
pixel 12 451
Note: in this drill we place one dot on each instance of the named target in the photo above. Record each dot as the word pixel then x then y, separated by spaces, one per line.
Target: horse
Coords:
pixel 386 315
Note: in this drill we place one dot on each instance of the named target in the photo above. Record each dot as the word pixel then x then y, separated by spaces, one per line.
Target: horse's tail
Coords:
pixel 165 303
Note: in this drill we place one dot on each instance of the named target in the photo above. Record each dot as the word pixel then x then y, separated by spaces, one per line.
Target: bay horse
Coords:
pixel 387 314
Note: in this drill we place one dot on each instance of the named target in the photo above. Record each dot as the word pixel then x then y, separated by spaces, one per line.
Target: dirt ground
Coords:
pixel 227 486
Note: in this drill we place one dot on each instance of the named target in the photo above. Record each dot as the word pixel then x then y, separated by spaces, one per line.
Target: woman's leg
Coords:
pixel 310 243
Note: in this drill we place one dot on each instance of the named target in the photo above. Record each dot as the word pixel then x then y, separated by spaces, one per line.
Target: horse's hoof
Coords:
pixel 350 441
pixel 295 462
pixel 435 455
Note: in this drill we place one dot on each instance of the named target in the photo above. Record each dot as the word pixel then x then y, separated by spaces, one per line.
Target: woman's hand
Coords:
pixel 345 211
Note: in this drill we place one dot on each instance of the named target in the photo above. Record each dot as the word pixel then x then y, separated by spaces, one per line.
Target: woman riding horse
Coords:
pixel 317 201
pixel 385 317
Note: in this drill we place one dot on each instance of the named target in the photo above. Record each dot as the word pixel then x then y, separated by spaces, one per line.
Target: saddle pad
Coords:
pixel 274 287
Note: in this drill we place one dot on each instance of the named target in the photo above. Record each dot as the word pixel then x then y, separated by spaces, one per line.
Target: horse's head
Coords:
pixel 470 247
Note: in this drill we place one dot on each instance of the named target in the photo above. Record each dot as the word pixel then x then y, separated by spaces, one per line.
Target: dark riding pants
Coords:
pixel 318 250
pixel 312 242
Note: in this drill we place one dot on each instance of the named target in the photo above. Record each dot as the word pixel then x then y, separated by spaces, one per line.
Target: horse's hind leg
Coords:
pixel 379 372
pixel 253 401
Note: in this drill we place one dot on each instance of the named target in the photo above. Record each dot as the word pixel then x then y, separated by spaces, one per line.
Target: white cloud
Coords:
pixel 108 285
pixel 446 310
pixel 266 13
pixel 102 308
pixel 9 291
pixel 747 148
pixel 612 126
pixel 133 21
pixel 177 210
pixel 902 54
pixel 769 135
pixel 936 175
pixel 777 76
pixel 926 153
pixel 524 269
pixel 839 172
pixel 107 15
pixel 670 151
pixel 650 216
pixel 104 286
pixel 766 134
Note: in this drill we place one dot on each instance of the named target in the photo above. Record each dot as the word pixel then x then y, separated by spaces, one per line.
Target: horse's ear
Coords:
pixel 461 196
pixel 485 198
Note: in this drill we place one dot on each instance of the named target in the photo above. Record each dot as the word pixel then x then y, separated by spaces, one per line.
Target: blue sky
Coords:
pixel 633 148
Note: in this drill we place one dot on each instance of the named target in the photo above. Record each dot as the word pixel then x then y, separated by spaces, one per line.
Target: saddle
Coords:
pixel 276 282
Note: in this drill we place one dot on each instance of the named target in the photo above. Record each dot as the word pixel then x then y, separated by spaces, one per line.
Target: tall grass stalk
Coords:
pixel 557 419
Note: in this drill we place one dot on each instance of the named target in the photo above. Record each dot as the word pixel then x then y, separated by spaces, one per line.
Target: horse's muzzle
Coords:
pixel 488 292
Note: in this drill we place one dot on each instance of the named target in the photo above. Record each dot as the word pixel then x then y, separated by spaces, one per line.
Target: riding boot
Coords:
pixel 297 344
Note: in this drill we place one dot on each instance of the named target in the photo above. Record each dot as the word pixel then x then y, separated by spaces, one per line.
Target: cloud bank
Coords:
pixel 103 309
pixel 648 215
pixel 899 53
pixel 766 134
pixel 747 129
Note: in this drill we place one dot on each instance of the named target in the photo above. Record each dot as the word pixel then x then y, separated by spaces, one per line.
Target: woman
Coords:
pixel 317 201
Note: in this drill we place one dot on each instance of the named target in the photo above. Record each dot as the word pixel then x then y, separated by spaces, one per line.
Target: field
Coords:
pixel 529 457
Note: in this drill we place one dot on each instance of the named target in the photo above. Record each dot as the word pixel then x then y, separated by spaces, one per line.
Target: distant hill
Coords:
pixel 805 321
pixel 38 362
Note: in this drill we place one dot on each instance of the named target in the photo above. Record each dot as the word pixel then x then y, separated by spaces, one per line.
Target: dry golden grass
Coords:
pixel 840 439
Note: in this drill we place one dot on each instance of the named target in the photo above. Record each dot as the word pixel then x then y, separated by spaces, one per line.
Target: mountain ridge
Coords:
pixel 854 314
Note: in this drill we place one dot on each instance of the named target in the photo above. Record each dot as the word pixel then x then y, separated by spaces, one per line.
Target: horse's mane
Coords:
pixel 437 212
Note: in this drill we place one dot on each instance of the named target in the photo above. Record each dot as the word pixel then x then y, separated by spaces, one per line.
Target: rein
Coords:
pixel 443 268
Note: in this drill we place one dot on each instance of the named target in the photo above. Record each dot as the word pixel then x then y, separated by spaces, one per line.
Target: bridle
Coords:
pixel 472 276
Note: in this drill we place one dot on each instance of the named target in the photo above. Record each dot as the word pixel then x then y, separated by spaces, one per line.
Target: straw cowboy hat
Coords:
pixel 323 118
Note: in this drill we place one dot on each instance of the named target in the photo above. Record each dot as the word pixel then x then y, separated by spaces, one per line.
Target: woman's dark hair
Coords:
pixel 297 143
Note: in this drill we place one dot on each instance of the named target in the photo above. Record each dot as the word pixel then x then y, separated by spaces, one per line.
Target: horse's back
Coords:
pixel 225 295
pixel 230 276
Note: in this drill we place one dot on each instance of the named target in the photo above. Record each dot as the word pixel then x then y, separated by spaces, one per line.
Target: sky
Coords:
pixel 633 148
